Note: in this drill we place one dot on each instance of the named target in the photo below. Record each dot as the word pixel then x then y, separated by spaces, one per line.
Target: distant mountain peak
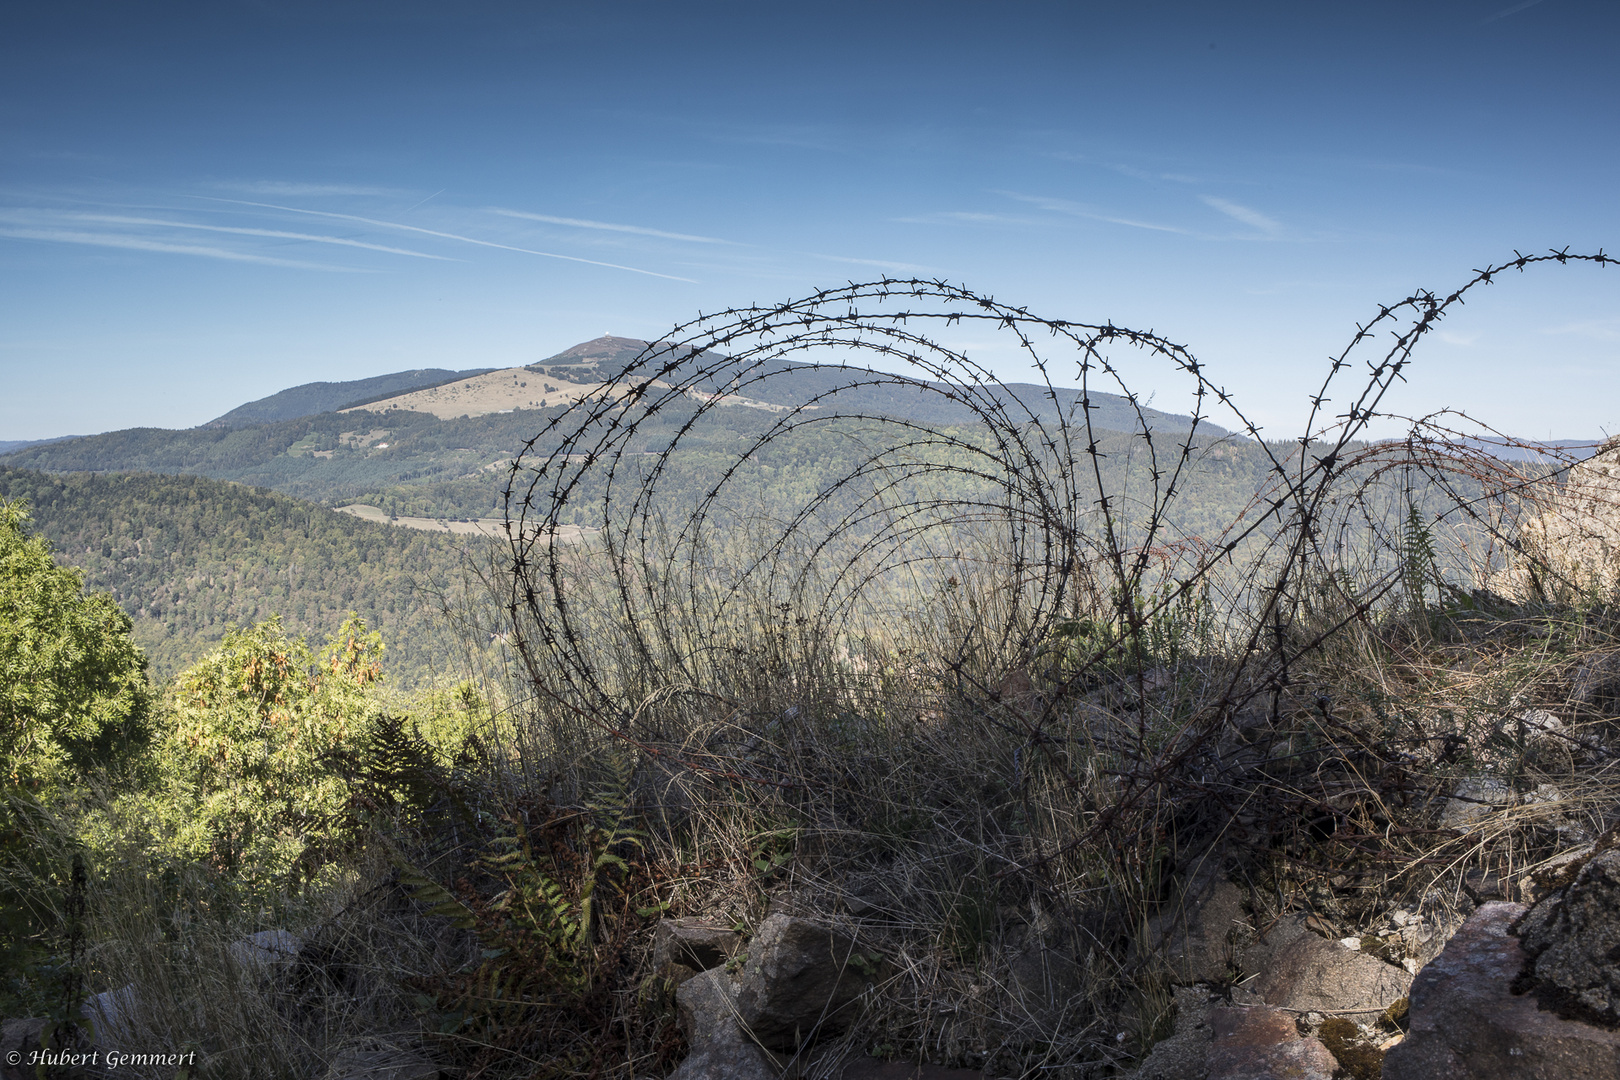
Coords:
pixel 604 349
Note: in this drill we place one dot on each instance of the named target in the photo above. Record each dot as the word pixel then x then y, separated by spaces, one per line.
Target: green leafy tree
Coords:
pixel 74 700
pixel 253 730
pixel 73 690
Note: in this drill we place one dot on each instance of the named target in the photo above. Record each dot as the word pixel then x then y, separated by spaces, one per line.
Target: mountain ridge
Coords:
pixel 314 398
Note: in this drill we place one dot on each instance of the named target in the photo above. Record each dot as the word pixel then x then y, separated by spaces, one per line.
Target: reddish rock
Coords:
pixel 1574 936
pixel 1302 971
pixel 1467 1024
pixel 1262 1043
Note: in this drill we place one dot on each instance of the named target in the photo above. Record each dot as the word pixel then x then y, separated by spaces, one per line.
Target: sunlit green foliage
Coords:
pixel 73 690
pixel 74 706
pixel 251 729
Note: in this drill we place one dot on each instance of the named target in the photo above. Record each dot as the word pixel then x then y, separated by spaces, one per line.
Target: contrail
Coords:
pixel 444 235
pixel 1505 12
pixel 429 199
pixel 584 223
pixel 117 219
pixel 136 243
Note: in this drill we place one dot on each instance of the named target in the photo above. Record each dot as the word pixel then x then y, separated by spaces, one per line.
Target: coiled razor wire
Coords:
pixel 1014 484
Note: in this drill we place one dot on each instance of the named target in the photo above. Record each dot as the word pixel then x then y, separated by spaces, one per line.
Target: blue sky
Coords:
pixel 201 204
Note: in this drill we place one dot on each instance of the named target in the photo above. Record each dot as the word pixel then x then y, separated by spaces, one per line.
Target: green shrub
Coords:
pixel 252 731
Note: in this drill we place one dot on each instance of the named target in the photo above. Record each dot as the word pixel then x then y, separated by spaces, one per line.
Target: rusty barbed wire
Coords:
pixel 782 522
pixel 1011 483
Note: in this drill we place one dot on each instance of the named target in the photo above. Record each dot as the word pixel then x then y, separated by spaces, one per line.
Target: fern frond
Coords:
pixel 440 901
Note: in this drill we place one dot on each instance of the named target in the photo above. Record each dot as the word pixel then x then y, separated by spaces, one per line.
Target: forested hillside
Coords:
pixel 187 557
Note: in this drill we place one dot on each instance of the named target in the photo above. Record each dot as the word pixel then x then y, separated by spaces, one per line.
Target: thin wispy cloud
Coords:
pixel 607 226
pixel 1080 210
pixel 295 190
pixel 881 264
pixel 447 236
pixel 1143 174
pixel 1237 212
pixel 1132 171
pixel 424 202
pixel 141 243
pixel 277 234
pixel 1505 12
pixel 1593 329
pixel 964 217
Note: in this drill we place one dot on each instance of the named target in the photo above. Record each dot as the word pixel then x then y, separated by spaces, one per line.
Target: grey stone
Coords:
pixel 112 1012
pixel 1300 970
pixel 1473 798
pixel 1467 1024
pixel 802 978
pixel 694 942
pixel 1185 1054
pixel 1573 935
pixel 1574 547
pixel 706 1009
pixel 1193 936
pixel 1261 1043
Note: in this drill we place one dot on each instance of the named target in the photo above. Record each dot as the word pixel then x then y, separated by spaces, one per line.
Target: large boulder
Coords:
pixel 1185 1054
pixel 1194 936
pixel 1468 1024
pixel 801 979
pixel 112 1014
pixel 1573 938
pixel 1300 970
pixel 1573 546
pixel 1262 1043
pixel 706 1009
